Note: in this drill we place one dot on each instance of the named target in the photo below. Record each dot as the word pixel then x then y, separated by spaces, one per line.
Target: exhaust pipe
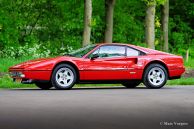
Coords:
pixel 29 81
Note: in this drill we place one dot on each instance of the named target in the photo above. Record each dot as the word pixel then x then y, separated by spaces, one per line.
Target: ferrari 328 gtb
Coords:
pixel 102 63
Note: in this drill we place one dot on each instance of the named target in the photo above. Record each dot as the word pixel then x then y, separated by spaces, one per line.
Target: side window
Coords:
pixel 95 52
pixel 132 52
pixel 111 51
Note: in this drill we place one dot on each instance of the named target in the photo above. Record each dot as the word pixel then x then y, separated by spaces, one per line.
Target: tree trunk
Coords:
pixel 150 25
pixel 109 13
pixel 165 20
pixel 87 22
pixel 187 55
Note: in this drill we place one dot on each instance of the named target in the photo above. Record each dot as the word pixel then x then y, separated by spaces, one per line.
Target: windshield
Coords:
pixel 82 51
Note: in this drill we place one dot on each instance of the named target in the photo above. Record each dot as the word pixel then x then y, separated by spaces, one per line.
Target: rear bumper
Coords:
pixel 176 73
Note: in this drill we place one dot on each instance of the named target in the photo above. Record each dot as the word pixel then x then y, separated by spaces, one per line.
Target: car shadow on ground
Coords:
pixel 91 88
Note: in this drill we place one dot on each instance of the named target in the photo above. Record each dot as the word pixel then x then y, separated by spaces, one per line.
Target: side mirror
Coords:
pixel 94 56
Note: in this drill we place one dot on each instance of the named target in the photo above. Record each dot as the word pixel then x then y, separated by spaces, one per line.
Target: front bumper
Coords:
pixel 31 75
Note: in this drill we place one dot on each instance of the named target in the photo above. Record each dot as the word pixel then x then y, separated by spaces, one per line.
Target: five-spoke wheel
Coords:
pixel 155 76
pixel 64 77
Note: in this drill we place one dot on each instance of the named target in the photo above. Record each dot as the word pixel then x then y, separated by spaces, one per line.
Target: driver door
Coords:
pixel 111 64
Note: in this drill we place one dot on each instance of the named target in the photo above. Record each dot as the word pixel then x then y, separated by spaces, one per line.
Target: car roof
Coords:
pixel 143 49
pixel 123 44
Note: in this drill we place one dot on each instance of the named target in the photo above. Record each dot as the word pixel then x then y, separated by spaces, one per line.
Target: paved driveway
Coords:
pixel 98 108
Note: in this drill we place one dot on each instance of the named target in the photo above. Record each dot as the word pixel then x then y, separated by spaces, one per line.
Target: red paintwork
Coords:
pixel 118 68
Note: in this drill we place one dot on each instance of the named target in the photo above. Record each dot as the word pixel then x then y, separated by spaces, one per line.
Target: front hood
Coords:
pixel 31 63
pixel 42 64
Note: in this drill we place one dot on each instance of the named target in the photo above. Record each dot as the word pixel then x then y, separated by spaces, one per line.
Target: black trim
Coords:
pixel 126 69
pixel 176 77
pixel 30 81
pixel 104 81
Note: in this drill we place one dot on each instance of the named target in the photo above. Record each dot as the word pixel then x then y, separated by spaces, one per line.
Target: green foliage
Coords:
pixel 181 27
pixel 43 22
pixel 153 2
pixel 49 27
pixel 35 51
pixel 128 26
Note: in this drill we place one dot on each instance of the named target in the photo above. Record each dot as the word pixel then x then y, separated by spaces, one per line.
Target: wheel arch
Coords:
pixel 69 63
pixel 157 62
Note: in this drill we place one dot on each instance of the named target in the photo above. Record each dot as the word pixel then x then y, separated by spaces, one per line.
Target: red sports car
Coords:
pixel 102 63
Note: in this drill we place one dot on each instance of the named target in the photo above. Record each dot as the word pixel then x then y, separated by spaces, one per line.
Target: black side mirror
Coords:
pixel 93 57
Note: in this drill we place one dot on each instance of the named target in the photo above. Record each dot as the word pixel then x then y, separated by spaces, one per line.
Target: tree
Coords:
pixel 150 23
pixel 87 22
pixel 109 13
pixel 165 21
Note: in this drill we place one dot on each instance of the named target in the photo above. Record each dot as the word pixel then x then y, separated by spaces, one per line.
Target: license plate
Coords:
pixel 19 80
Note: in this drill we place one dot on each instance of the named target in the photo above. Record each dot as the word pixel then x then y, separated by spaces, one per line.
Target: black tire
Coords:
pixel 131 84
pixel 149 81
pixel 60 84
pixel 44 85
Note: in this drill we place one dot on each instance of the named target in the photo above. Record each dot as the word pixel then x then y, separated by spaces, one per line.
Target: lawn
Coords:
pixel 6 81
pixel 5 63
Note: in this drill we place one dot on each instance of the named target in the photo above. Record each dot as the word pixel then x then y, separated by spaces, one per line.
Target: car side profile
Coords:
pixel 127 64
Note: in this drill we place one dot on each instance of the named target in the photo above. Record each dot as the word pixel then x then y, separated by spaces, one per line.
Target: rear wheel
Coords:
pixel 131 84
pixel 44 85
pixel 155 76
pixel 64 77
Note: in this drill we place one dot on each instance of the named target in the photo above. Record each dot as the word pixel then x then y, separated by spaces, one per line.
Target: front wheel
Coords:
pixel 155 76
pixel 64 77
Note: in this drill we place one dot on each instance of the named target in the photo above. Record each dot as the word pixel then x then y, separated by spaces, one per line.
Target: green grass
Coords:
pixel 181 81
pixel 6 81
pixel 189 64
pixel 5 63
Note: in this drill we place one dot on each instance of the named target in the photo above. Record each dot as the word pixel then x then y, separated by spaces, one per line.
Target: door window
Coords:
pixel 111 51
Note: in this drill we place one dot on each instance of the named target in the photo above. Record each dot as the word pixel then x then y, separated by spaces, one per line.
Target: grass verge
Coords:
pixel 7 83
pixel 189 64
pixel 5 63
pixel 181 81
